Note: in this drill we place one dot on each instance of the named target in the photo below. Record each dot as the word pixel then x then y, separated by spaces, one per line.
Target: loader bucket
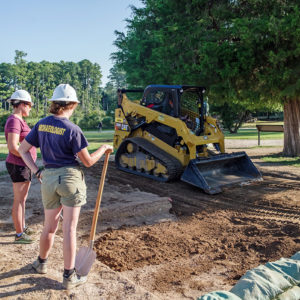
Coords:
pixel 218 171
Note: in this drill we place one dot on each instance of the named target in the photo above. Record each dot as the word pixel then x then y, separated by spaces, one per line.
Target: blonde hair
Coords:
pixel 57 108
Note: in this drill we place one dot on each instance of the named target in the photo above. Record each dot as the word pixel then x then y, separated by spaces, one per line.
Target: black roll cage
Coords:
pixel 176 92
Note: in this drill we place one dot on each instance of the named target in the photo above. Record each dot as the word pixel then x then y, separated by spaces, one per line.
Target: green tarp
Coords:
pixel 219 295
pixel 277 280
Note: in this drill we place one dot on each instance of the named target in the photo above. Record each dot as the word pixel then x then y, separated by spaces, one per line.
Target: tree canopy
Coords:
pixel 40 79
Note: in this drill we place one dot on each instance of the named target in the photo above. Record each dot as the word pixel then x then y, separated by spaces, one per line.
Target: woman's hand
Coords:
pixel 26 156
pixel 39 175
pixel 41 178
pixel 90 159
pixel 109 149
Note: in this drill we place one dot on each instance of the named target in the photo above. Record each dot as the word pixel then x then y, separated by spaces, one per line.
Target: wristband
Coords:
pixel 38 173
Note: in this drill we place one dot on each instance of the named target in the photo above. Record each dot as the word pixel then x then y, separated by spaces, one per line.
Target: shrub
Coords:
pixel 90 121
pixel 77 116
pixel 3 118
pixel 232 115
pixel 107 122
pixel 32 121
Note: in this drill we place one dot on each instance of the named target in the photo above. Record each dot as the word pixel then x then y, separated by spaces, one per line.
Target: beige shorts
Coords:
pixel 63 186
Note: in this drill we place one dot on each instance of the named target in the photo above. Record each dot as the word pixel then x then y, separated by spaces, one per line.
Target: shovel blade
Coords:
pixel 84 260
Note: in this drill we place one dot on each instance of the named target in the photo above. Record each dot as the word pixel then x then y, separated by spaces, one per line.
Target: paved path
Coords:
pixel 247 143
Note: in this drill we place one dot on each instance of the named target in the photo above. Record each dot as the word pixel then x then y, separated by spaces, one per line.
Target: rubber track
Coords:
pixel 173 165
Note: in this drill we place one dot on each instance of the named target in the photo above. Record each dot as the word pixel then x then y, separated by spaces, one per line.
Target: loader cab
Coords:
pixel 179 101
pixel 161 98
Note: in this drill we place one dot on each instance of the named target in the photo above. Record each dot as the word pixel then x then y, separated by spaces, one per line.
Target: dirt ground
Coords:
pixel 161 240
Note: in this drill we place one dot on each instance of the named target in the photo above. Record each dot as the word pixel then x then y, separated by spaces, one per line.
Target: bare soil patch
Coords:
pixel 161 240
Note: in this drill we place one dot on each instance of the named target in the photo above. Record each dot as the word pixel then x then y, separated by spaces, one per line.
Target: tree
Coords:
pixel 6 87
pixel 110 99
pixel 258 58
pixel 20 69
pixel 117 77
pixel 90 79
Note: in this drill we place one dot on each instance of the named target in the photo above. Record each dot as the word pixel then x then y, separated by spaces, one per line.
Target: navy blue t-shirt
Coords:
pixel 59 139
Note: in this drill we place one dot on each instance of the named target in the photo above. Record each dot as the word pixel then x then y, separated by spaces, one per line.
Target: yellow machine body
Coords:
pixel 165 147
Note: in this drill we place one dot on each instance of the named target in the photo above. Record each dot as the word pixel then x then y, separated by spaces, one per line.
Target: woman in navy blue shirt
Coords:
pixel 63 186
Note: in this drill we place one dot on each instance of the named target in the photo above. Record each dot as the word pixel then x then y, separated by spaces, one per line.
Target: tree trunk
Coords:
pixel 37 100
pixel 45 105
pixel 292 128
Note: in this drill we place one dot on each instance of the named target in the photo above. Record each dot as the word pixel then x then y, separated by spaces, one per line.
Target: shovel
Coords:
pixel 86 256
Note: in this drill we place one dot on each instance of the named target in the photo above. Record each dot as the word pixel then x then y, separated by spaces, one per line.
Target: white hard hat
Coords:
pixel 65 93
pixel 20 95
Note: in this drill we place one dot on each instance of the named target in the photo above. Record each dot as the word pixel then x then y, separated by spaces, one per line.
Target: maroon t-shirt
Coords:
pixel 16 125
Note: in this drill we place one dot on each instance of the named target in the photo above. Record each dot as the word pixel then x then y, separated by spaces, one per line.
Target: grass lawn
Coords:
pixel 2 138
pixel 243 133
pixel 279 160
pixel 251 133
pixel 3 153
pixel 95 136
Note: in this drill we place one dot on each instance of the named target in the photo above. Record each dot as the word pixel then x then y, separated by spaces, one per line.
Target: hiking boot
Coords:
pixel 39 267
pixel 73 280
pixel 23 239
pixel 28 231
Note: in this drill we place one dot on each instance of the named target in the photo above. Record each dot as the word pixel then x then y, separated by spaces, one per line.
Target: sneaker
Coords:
pixel 29 231
pixel 73 280
pixel 23 239
pixel 40 268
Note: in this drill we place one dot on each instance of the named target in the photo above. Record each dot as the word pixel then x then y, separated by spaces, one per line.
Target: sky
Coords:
pixel 68 30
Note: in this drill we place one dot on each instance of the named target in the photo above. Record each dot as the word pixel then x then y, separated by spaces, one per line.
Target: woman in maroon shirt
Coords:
pixel 16 130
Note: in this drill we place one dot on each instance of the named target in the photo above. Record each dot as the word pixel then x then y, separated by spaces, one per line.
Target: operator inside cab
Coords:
pixel 160 101
pixel 168 105
pixel 154 100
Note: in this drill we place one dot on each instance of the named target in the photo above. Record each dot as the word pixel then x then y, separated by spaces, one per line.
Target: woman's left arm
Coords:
pixel 12 143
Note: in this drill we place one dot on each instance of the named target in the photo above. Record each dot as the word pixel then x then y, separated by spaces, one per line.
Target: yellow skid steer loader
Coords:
pixel 167 135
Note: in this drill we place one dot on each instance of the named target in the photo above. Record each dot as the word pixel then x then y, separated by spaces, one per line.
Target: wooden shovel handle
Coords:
pixel 99 196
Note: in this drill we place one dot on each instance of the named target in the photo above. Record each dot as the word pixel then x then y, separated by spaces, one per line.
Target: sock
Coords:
pixel 19 234
pixel 42 261
pixel 68 273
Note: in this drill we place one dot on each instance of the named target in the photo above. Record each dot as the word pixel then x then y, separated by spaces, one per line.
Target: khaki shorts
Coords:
pixel 63 186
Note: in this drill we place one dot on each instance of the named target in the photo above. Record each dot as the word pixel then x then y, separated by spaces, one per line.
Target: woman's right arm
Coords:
pixel 26 156
pixel 90 159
